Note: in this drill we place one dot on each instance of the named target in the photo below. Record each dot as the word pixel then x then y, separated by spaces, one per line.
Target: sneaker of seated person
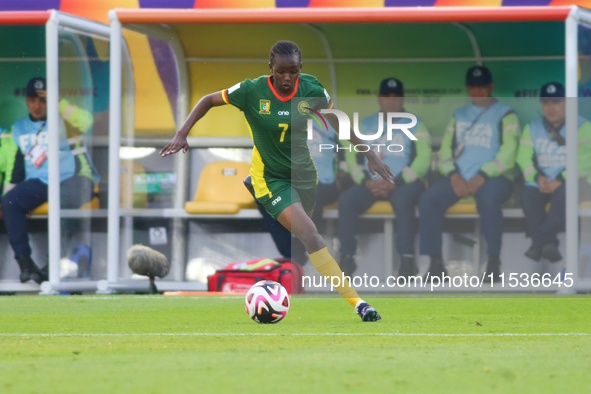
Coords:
pixel 493 266
pixel 348 264
pixel 29 270
pixel 534 252
pixel 551 253
pixel 407 266
pixel 436 267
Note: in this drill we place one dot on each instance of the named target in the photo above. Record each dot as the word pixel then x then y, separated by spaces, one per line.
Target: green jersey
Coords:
pixel 280 151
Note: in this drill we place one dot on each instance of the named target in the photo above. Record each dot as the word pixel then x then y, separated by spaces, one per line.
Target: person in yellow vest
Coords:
pixel 542 159
pixel 8 151
pixel 7 158
pixel 77 174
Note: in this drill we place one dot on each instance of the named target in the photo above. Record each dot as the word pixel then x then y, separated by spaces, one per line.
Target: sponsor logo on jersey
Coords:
pixel 283 113
pixel 265 107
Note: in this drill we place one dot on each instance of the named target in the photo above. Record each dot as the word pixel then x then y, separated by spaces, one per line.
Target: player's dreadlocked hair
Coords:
pixel 284 48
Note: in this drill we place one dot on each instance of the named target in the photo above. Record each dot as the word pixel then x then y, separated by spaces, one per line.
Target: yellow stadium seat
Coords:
pixel 220 189
pixel 462 208
pixel 380 208
pixel 43 209
pixel 334 205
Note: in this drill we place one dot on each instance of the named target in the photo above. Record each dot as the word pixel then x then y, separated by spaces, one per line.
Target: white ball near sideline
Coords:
pixel 267 302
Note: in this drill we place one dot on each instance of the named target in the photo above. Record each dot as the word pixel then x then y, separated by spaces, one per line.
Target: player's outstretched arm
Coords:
pixel 374 163
pixel 179 142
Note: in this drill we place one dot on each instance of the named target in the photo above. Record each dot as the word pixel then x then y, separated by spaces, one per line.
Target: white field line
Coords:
pixel 213 334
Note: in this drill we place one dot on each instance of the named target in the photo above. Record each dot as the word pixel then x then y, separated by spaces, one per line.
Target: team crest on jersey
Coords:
pixel 265 107
pixel 302 105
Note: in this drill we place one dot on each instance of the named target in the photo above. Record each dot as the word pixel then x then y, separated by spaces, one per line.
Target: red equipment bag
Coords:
pixel 239 277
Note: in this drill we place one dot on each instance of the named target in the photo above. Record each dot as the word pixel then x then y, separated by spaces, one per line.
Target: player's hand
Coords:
pixel 475 183
pixel 376 165
pixel 178 143
pixel 459 185
pixel 42 93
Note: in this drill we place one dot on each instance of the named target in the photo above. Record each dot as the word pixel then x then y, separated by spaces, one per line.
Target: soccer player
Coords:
pixel 411 165
pixel 477 157
pixel 542 159
pixel 330 184
pixel 280 150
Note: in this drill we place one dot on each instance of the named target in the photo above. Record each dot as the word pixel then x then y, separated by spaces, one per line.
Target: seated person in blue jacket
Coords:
pixel 333 178
pixel 77 179
pixel 410 165
pixel 542 159
pixel 477 157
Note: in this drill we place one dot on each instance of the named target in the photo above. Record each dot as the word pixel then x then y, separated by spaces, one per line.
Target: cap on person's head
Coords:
pixel 391 85
pixel 552 89
pixel 37 83
pixel 478 75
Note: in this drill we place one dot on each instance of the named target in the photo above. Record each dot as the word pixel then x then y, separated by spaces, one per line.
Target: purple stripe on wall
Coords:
pixel 291 3
pixel 525 2
pixel 167 3
pixel 167 70
pixel 409 3
pixel 29 5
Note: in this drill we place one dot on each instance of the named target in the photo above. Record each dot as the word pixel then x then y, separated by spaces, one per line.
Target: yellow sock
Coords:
pixel 328 267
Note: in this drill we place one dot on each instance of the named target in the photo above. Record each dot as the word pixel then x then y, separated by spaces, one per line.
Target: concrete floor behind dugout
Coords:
pixel 219 245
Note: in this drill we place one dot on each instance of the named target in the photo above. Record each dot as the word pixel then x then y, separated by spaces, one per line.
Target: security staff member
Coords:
pixel 477 157
pixel 542 159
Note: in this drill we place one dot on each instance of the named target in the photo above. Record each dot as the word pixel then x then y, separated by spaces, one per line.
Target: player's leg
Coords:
pixel 403 200
pixel 432 207
pixel 295 219
pixel 287 245
pixel 554 221
pixel 533 203
pixel 489 202
pixel 352 204
pixel 292 209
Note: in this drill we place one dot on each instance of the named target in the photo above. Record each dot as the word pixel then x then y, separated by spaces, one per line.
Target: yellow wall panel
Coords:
pixel 153 113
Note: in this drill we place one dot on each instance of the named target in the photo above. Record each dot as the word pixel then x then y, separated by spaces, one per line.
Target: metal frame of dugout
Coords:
pixel 54 22
pixel 157 23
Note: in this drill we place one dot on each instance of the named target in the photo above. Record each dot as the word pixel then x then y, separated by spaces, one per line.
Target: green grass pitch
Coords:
pixel 155 344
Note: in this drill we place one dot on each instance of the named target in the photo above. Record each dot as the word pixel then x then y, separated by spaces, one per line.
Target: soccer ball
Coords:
pixel 267 302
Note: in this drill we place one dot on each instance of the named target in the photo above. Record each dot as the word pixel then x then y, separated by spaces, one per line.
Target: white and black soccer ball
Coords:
pixel 267 302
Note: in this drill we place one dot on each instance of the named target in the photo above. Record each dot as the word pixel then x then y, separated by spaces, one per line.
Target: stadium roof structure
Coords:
pixel 346 15
pixel 24 17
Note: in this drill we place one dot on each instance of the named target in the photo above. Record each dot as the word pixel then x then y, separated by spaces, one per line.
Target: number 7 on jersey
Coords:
pixel 284 126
